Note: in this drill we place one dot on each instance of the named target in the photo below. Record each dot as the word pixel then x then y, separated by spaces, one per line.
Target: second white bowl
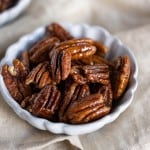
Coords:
pixel 13 12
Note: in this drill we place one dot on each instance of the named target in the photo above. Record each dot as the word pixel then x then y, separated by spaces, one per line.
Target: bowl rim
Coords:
pixel 65 128
pixel 13 12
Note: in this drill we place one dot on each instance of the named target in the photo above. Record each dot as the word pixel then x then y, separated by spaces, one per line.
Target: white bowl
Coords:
pixel 13 12
pixel 81 30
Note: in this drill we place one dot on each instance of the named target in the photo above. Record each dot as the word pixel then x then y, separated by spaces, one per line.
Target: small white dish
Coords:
pixel 13 12
pixel 81 30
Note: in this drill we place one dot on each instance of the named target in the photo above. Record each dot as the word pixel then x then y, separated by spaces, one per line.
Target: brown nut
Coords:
pixel 98 73
pixel 101 50
pixel 74 92
pixel 18 69
pixel 121 75
pixel 87 109
pixel 39 52
pixel 39 76
pixel 79 48
pixel 56 30
pixel 95 59
pixel 60 65
pixel 43 104
pixel 15 85
pixel 107 93
pixel 25 60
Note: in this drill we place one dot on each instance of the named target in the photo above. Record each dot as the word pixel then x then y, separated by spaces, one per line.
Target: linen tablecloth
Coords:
pixel 129 20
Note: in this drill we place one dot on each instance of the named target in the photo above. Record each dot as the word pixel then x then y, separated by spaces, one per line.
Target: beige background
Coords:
pixel 128 19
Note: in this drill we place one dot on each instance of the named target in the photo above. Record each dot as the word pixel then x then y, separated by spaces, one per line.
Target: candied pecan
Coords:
pixel 79 48
pixel 25 60
pixel 43 104
pixel 98 73
pixel 100 48
pixel 60 65
pixel 74 92
pixel 15 85
pixel 56 30
pixel 87 109
pixel 28 101
pixel 39 76
pixel 95 59
pixel 18 69
pixel 120 76
pixel 39 52
pixel 106 91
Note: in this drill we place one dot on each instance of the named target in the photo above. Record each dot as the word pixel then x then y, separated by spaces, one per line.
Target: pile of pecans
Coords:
pixel 5 4
pixel 64 79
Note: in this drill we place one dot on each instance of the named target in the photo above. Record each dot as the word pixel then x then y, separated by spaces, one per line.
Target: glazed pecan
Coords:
pixel 28 101
pixel 18 69
pixel 120 76
pixel 60 64
pixel 107 93
pixel 79 48
pixel 14 84
pixel 43 104
pixel 39 52
pixel 95 59
pixel 98 73
pixel 25 60
pixel 101 50
pixel 39 76
pixel 74 93
pixel 56 30
pixel 87 109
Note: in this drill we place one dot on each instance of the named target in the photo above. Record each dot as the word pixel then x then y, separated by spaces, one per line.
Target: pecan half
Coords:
pixel 95 59
pixel 25 60
pixel 74 92
pixel 43 104
pixel 60 64
pixel 18 69
pixel 101 50
pixel 121 75
pixel 15 85
pixel 39 76
pixel 79 48
pixel 107 93
pixel 87 109
pixel 39 52
pixel 56 30
pixel 98 73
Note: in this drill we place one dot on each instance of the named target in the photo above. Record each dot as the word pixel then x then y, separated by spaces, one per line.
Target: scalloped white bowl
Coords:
pixel 13 12
pixel 81 30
